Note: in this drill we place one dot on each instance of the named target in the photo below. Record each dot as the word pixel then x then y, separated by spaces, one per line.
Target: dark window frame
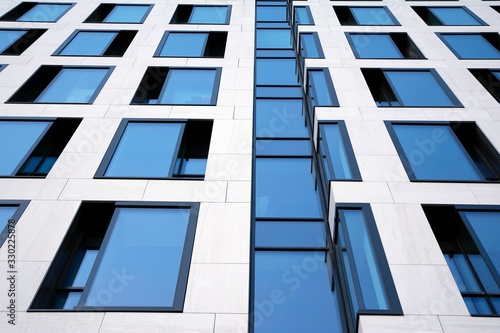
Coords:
pixel 402 41
pixel 31 89
pixel 172 175
pixel 479 138
pixel 66 252
pixel 210 34
pixel 111 6
pixel 21 207
pixel 18 11
pixel 119 35
pixel 488 36
pixel 175 15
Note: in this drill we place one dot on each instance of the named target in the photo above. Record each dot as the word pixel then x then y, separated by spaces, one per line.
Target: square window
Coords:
pixel 102 244
pixel 445 152
pixel 309 45
pixel 364 15
pixel 270 12
pixel 10 212
pixel 16 41
pixel 490 79
pixel 96 43
pixel 448 16
pixel 280 118
pixel 178 86
pixel 118 13
pixel 62 84
pixel 276 72
pixel 193 44
pixel 31 148
pixel 409 88
pixel 383 46
pixel 201 14
pixel 302 15
pixel 473 46
pixel 37 12
pixel 158 149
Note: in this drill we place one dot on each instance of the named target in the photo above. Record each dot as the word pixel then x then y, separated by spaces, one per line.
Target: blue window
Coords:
pixel 268 13
pixel 448 16
pixel 193 44
pixel 309 45
pixel 97 43
pixel 365 16
pixel 277 72
pixel 336 152
pixel 179 86
pixel 152 267
pixel 118 13
pixel 383 46
pixel 302 15
pixel 473 46
pixel 363 264
pixel 14 42
pixel 445 151
pixel 409 88
pixel 201 14
pixel 490 79
pixel 274 39
pixel 37 12
pixel 320 88
pixel 10 212
pixel 158 149
pixel 468 239
pixel 30 148
pixel 280 118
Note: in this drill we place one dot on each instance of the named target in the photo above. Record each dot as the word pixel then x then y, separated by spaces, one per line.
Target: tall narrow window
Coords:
pixel 10 212
pixel 302 15
pixel 320 88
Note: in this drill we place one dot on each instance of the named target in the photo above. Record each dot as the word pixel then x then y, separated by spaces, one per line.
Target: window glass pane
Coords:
pixel 486 225
pixel 484 273
pixel 477 305
pixel 271 14
pixel 291 301
pixel 44 13
pixel 283 147
pixel 274 39
pixel 66 300
pixel 309 44
pixel 127 14
pixel 435 153
pixel 371 16
pixel 184 45
pixel 496 303
pixel 496 74
pixel 288 92
pixel 320 87
pixel 208 15
pixel 367 269
pixel 453 16
pixel 290 234
pixel 145 150
pixel 6 213
pixel 73 85
pixel 151 259
pixel 285 187
pixel 471 46
pixel 24 134
pixel 184 86
pixel 336 152
pixel 280 118
pixel 461 272
pixel 9 37
pixel 417 88
pixel 89 43
pixel 302 15
pixel 276 72
pixel 374 46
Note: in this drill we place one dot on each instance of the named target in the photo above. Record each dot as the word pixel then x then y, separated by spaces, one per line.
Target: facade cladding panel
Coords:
pixel 257 166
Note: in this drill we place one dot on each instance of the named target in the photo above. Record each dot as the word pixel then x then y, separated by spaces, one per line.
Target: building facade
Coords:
pixel 250 166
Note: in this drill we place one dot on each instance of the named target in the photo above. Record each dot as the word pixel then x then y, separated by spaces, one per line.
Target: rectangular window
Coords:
pixel 473 45
pixel 270 11
pixel 178 86
pixel 16 41
pixel 365 15
pixel 320 91
pixel 37 12
pixel 280 118
pixel 97 43
pixel 445 151
pixel 119 13
pixel 201 14
pixel 490 79
pixel 468 238
pixel 336 154
pixel 409 88
pixel 104 264
pixel 383 46
pixel 193 44
pixel 276 72
pixel 31 147
pixel 274 39
pixel 448 16
pixel 309 45
pixel 365 272
pixel 302 15
pixel 10 212
pixel 62 84
pixel 158 149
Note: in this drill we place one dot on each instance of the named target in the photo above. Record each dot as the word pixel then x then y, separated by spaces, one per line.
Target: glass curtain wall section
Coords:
pixel 292 278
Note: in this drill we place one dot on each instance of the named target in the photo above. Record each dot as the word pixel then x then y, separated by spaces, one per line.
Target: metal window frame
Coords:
pixel 21 207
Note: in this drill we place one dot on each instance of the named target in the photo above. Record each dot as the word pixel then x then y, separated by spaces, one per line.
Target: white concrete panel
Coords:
pixel 399 324
pixel 381 168
pixel 442 193
pixel 76 165
pixel 370 138
pixel 231 137
pixel 24 188
pixel 178 190
pixel 229 167
pixel 359 192
pixel 104 189
pixel 231 323
pixel 238 191
pixel 486 193
pixel 467 324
